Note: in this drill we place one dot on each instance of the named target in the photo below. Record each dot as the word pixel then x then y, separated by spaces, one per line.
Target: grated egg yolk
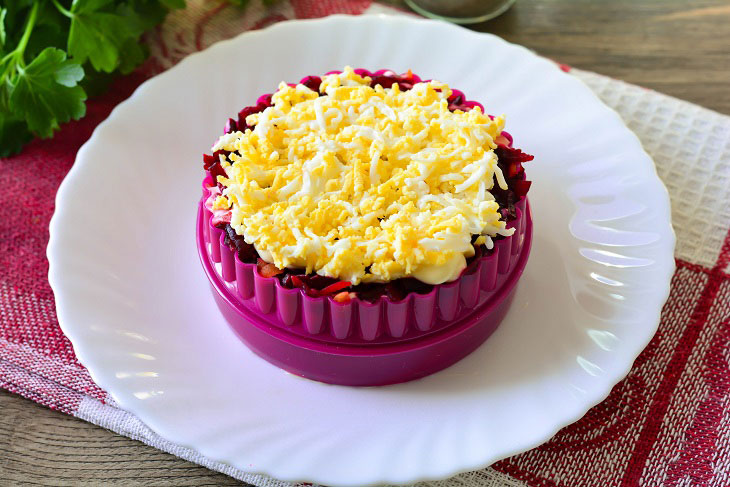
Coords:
pixel 364 184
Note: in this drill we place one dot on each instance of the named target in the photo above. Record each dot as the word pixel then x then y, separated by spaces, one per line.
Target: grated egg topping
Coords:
pixel 364 184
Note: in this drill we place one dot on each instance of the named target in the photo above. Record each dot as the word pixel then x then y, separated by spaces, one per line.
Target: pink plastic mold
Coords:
pixel 361 343
pixel 360 322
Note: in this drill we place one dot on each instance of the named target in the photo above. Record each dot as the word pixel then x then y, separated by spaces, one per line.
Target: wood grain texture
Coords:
pixel 676 47
pixel 43 447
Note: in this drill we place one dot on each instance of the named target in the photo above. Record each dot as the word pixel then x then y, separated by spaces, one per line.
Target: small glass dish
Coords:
pixel 461 11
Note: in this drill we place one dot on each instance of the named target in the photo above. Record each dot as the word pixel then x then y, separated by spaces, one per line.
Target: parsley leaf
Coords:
pixel 48 46
pixel 54 52
pixel 133 53
pixel 3 13
pixel 98 34
pixel 46 93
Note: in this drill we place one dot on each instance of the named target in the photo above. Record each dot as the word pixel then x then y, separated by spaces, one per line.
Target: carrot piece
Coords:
pixel 266 269
pixel 343 297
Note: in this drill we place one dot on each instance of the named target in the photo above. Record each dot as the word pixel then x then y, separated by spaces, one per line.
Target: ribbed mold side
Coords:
pixel 363 321
pixel 358 320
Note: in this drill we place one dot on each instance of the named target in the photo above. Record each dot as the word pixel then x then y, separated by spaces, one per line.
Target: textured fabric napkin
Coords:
pixel 667 423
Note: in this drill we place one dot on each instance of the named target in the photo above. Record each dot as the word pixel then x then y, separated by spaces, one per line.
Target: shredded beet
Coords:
pixel 521 187
pixel 509 160
pixel 240 124
pixel 212 164
pixel 246 252
pixel 458 102
pixel 314 285
pixel 404 83
pixel 312 82
pixel 231 126
pixel 314 282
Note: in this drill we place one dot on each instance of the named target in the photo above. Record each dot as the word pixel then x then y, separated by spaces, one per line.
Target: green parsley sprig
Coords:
pixel 55 52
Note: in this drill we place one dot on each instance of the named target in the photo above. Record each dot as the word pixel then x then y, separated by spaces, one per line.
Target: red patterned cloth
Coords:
pixel 667 423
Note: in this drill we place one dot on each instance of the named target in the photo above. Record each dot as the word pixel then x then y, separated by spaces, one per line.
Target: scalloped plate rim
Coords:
pixel 54 253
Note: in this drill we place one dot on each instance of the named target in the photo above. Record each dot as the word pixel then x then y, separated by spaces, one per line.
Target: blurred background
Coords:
pixel 666 45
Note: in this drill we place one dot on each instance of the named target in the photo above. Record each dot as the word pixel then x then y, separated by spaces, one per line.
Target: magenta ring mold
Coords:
pixel 361 322
pixel 361 364
pixel 360 342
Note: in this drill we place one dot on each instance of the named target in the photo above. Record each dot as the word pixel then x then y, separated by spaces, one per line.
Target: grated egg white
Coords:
pixel 364 184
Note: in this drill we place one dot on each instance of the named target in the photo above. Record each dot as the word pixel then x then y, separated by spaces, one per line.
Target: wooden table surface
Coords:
pixel 681 48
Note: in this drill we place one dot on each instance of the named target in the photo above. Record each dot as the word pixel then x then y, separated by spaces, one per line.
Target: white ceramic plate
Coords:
pixel 133 299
